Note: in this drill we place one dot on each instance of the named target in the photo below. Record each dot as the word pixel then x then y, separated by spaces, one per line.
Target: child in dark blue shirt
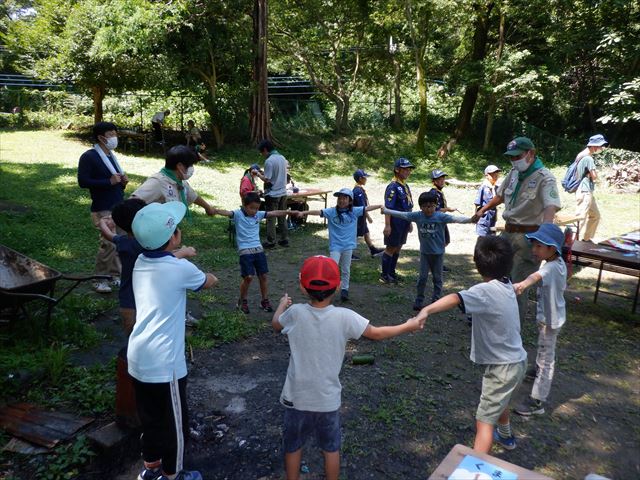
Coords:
pixel 431 232
pixel 360 199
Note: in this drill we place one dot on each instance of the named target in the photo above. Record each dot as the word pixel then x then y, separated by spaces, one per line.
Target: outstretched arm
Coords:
pixel 372 207
pixel 445 303
pixel 281 213
pixel 204 204
pixel 222 212
pixel 311 212
pixel 395 213
pixel 285 302
pixel 380 333
pixel 531 280
pixel 107 228
pixel 493 203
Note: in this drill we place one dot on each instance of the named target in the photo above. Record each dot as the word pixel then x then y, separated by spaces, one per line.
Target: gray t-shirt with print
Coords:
pixel 495 331
pixel 551 309
pixel 317 339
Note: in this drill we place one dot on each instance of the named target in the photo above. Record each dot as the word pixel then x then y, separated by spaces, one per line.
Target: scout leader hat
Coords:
pixel 320 273
pixel 344 191
pixel 358 174
pixel 549 234
pixel 518 146
pixel 597 141
pixel 491 169
pixel 437 174
pixel 154 224
pixel 403 163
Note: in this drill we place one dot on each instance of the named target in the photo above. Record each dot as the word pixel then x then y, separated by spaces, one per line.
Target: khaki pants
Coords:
pixel 276 203
pixel 545 361
pixel 587 210
pixel 523 265
pixel 107 260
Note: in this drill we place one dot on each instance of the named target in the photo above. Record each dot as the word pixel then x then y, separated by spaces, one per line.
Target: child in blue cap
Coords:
pixel 360 199
pixel 551 277
pixel 342 222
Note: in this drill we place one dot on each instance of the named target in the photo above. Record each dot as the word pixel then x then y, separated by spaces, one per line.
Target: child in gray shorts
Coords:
pixel 495 339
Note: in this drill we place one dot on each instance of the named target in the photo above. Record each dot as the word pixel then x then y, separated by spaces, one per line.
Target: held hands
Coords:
pixel 285 302
pixel 108 223
pixel 416 323
pixel 185 252
pixel 519 288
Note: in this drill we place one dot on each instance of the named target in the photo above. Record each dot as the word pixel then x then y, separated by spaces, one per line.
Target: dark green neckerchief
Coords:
pixel 537 165
pixel 183 194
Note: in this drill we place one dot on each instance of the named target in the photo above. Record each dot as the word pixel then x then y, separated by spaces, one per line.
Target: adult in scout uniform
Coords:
pixel 397 196
pixel 100 173
pixel 170 184
pixel 530 196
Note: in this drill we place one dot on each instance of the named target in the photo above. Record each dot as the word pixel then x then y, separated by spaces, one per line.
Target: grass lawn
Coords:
pixel 45 215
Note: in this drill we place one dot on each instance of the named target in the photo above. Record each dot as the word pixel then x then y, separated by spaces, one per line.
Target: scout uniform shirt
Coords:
pixel 160 188
pixel 397 196
pixel 538 191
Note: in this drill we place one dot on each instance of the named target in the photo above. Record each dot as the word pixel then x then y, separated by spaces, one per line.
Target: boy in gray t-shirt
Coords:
pixel 318 333
pixel 495 339
pixel 546 245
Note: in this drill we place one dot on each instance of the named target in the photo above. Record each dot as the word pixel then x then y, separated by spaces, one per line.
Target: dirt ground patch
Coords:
pixel 403 414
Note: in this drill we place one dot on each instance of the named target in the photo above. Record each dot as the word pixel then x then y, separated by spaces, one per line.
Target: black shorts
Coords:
pixel 299 425
pixel 398 236
pixel 253 263
pixel 363 228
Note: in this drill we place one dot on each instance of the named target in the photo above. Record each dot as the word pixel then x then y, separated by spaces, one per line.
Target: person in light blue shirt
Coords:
pixel 431 232
pixel 253 260
pixel 342 221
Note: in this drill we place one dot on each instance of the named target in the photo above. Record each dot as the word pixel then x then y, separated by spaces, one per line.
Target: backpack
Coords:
pixel 571 180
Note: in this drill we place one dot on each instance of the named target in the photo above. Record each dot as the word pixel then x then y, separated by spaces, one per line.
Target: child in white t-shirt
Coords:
pixel 318 333
pixel 156 346
pixel 495 339
pixel 551 277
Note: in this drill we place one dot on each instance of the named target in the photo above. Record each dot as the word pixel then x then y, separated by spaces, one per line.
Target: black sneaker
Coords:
pixel 396 278
pixel 243 306
pixel 530 407
pixel 445 268
pixel 531 374
pixel 148 474
pixel 283 243
pixel 376 252
pixel 268 245
pixel 265 304
pixel 386 279
pixel 344 295
pixel 355 257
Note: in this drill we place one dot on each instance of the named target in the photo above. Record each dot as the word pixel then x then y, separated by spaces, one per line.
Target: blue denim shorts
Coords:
pixel 253 263
pixel 299 425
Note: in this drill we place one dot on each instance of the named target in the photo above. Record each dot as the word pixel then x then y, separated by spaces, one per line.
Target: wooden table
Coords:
pixel 131 136
pixel 484 468
pixel 304 194
pixel 560 219
pixel 604 257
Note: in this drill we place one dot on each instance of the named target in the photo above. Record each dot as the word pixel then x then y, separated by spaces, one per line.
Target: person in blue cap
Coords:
pixel 360 199
pixel 342 222
pixel 551 314
pixel 586 206
pixel 397 196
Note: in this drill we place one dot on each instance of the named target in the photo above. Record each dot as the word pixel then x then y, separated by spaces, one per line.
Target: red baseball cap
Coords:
pixel 322 269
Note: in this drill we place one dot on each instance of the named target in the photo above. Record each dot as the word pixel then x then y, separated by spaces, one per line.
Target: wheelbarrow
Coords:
pixel 23 279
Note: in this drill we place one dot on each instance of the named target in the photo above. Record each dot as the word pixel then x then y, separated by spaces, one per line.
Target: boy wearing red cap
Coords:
pixel 318 333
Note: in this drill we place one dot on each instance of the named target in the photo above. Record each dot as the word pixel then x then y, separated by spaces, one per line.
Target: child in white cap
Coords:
pixel 156 345
pixel 485 193
pixel 342 221
pixel 551 277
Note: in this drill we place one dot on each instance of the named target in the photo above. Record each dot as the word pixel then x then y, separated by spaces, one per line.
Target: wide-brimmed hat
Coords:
pixel 518 146
pixel 320 273
pixel 549 234
pixel 597 141
pixel 154 224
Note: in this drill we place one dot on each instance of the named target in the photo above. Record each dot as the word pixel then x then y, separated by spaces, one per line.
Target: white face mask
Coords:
pixel 188 174
pixel 111 143
pixel 521 165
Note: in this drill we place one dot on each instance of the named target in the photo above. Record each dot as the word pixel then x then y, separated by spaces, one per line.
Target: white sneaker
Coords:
pixel 115 282
pixel 190 320
pixel 102 287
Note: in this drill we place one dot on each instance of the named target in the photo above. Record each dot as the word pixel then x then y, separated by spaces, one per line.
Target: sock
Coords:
pixel 394 262
pixel 505 430
pixel 386 261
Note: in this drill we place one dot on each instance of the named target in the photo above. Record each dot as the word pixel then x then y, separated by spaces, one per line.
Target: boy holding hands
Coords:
pixel 318 333
pixel 495 339
pixel 432 226
pixel 546 245
pixel 156 346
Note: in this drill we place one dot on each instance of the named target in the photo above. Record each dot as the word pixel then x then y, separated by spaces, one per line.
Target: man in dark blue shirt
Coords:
pixel 397 197
pixel 100 172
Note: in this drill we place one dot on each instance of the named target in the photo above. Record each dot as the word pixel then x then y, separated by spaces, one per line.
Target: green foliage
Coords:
pixel 65 462
pixel 218 327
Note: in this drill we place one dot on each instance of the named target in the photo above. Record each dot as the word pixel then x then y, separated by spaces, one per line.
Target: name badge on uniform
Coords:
pixel 532 184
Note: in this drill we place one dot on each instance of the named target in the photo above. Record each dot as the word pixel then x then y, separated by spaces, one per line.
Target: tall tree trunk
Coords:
pixel 343 126
pixel 397 114
pixel 493 102
pixel 98 95
pixel 422 96
pixel 471 92
pixel 260 119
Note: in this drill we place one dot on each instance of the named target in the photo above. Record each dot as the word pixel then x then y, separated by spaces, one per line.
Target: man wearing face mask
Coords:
pixel 170 184
pixel 530 196
pixel 100 172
